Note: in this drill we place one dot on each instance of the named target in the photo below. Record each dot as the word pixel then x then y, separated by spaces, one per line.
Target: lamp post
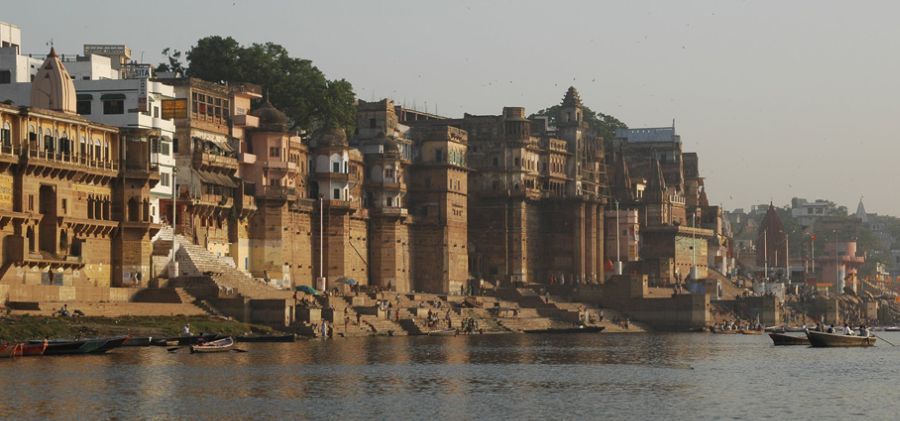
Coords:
pixel 694 246
pixel 766 253
pixel 321 242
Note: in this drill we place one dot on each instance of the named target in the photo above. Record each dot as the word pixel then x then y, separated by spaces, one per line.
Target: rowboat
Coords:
pixel 822 339
pixel 184 340
pixel 221 345
pixel 750 332
pixel 442 332
pixel 267 338
pixel 782 339
pixel 10 350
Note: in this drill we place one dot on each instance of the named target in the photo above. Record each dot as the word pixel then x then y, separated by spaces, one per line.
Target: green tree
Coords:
pixel 174 61
pixel 294 85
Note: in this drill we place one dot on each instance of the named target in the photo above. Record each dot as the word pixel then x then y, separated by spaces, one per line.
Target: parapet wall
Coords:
pixel 65 293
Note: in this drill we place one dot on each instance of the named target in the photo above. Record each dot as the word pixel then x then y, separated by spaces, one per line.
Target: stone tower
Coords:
pixel 52 87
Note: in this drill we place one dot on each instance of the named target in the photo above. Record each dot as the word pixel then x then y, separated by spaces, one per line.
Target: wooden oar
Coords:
pixel 238 350
pixel 879 337
pixel 174 349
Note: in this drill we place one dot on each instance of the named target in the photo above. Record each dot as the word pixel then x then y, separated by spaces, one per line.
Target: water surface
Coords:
pixel 599 376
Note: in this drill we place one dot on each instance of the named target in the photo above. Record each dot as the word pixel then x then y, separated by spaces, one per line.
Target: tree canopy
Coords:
pixel 604 124
pixel 294 85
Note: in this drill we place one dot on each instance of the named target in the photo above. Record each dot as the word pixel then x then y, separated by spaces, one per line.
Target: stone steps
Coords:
pixel 116 309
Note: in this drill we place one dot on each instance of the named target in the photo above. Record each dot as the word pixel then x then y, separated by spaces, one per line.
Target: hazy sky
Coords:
pixel 780 99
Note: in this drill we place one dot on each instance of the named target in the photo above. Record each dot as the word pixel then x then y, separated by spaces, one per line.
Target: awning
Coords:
pixel 84 97
pixel 105 97
pixel 215 178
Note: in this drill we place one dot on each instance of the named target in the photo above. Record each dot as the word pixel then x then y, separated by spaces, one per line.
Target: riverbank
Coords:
pixel 20 328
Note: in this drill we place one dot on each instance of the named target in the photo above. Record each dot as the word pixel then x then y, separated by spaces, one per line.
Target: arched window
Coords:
pixel 97 150
pixel 83 151
pixel 49 145
pixel 106 151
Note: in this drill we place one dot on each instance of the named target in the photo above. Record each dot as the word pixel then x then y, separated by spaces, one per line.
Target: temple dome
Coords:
pixel 52 87
pixel 271 119
pixel 333 137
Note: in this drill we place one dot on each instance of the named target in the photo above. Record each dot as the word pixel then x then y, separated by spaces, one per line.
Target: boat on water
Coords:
pixel 9 350
pixel 184 340
pixel 442 332
pixel 220 345
pixel 87 346
pixel 139 341
pixel 750 332
pixel 892 329
pixel 266 338
pixel 822 339
pixel 34 349
pixel 580 329
pixel 784 339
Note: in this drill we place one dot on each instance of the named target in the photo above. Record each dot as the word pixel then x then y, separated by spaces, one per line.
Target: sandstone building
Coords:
pixel 74 195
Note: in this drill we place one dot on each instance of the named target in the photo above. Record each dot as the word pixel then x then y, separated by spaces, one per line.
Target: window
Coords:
pixel 31 202
pixel 427 182
pixel 5 77
pixel 439 155
pixel 164 148
pixel 65 206
pixel 83 104
pixel 336 167
pixel 114 106
pixel 496 162
pixel 48 141
pixel 174 145
pixel 274 152
pixel 337 194
pixel 175 108
pixel 275 182
pixel 372 123
pixel 6 135
pixel 165 179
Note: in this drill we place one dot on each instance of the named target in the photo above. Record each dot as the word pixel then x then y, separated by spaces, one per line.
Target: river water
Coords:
pixel 582 376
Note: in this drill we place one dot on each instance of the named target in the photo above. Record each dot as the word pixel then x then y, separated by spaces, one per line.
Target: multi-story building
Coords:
pixel 535 204
pixel 74 196
pixel 109 91
pixel 279 231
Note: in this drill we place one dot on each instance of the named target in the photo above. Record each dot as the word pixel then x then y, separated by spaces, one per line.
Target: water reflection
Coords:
pixel 507 376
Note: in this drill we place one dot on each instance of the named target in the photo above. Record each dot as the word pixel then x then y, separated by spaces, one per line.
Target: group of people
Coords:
pixel 64 312
pixel 733 325
pixel 863 330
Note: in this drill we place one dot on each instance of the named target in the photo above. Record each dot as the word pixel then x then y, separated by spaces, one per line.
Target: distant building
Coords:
pixel 807 213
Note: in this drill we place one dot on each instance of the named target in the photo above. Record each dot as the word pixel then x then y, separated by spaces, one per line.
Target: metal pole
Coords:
pixel 321 236
pixel 618 255
pixel 837 271
pixel 766 253
pixel 812 247
pixel 694 246
pixel 174 219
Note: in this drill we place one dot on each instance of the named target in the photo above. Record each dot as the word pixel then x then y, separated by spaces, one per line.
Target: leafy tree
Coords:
pixel 604 124
pixel 294 85
pixel 174 62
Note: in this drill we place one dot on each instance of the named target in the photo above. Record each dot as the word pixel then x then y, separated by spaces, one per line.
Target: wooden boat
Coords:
pixel 442 332
pixel 724 332
pixel 32 349
pixel 892 329
pixel 184 340
pixel 822 339
pixel 89 346
pixel 581 329
pixel 783 339
pixel 266 338
pixel 10 350
pixel 221 345
pixel 139 341
pixel 750 332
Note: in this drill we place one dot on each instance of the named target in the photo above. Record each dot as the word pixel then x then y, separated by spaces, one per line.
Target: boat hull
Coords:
pixel 829 340
pixel 282 338
pixel 221 345
pixel 781 339
pixel 585 329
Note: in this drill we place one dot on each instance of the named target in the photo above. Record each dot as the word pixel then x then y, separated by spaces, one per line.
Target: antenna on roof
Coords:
pixel 673 123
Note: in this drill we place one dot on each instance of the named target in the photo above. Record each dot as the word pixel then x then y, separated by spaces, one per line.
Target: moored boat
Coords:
pixel 221 345
pixel 9 350
pixel 581 329
pixel 784 339
pixel 750 332
pixel 822 339
pixel 34 349
pixel 138 341
pixel 184 340
pixel 266 338
pixel 443 332
pixel 88 346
